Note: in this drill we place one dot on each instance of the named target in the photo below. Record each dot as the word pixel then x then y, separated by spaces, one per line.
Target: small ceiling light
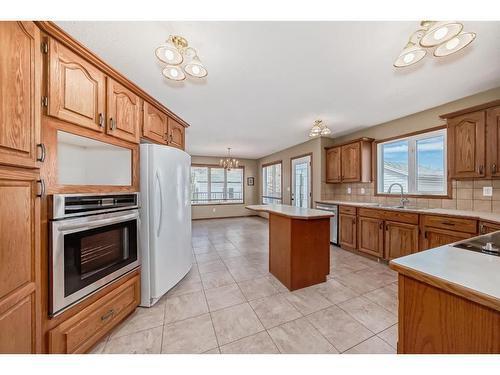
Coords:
pixel 177 54
pixel 455 44
pixel 439 32
pixel 319 129
pixel 446 36
pixel 174 73
pixel 195 68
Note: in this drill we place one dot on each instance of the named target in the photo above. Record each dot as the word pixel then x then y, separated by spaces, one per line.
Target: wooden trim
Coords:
pixel 407 135
pixel 411 134
pixel 222 204
pixel 365 139
pixel 60 35
pixel 475 108
pixel 310 203
pixel 262 178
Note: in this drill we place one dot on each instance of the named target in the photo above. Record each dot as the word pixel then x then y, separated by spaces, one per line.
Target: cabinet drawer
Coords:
pixel 451 223
pixel 402 217
pixel 80 332
pixel 349 210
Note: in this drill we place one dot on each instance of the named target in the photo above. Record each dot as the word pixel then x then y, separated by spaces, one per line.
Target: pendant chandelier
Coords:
pixel 180 59
pixel 446 37
pixel 229 163
pixel 319 129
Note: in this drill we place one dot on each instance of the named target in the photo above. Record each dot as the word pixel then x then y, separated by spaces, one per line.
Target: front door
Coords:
pixel 301 182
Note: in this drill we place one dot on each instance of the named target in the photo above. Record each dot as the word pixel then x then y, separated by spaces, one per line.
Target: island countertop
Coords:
pixel 291 211
pixel 472 275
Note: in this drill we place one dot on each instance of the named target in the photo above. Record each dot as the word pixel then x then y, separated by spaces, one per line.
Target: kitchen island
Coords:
pixel 449 302
pixel 299 244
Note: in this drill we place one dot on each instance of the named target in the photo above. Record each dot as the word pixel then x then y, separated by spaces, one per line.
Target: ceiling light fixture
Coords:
pixel 319 129
pixel 446 36
pixel 229 163
pixel 180 59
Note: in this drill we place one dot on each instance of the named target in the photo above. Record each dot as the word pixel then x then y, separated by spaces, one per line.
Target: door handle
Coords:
pixel 157 176
pixel 43 152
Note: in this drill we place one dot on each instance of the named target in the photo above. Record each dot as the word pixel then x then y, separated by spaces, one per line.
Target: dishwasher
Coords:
pixel 334 220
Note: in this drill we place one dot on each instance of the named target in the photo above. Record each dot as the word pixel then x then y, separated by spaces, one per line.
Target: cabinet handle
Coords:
pixel 386 226
pixel 171 137
pixel 494 168
pixel 112 123
pixel 166 136
pixel 448 223
pixel 43 152
pixel 107 315
pixel 425 234
pixel 482 229
pixel 381 226
pixel 481 169
pixel 42 188
pixel 101 120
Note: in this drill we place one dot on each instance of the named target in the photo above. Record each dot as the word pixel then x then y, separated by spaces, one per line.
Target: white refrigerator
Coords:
pixel 165 214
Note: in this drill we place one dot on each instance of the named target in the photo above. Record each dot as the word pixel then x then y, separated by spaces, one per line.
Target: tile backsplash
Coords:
pixel 466 195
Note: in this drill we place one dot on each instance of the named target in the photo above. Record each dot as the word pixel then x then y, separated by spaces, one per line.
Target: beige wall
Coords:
pixel 466 195
pixel 421 120
pixel 228 210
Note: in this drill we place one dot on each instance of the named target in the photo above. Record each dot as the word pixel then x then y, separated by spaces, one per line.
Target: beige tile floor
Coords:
pixel 230 303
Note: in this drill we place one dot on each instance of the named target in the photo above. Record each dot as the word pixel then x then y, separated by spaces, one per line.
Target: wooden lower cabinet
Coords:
pixel 347 231
pixel 400 239
pixel 434 237
pixel 371 236
pixel 435 321
pixel 487 227
pixel 19 261
pixel 80 333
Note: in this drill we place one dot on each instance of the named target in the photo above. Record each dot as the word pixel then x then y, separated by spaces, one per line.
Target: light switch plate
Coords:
pixel 349 190
pixel 487 191
pixel 362 190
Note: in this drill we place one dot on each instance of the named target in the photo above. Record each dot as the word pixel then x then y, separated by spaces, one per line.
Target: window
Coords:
pixel 417 162
pixel 271 183
pixel 214 185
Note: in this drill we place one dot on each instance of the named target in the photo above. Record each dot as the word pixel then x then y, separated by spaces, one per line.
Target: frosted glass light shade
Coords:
pixel 410 55
pixel 174 73
pixel 455 44
pixel 440 32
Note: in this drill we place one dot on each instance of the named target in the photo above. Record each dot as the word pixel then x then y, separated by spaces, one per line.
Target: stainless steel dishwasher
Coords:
pixel 334 220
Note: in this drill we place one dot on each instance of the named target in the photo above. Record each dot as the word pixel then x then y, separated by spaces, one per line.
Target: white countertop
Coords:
pixel 460 271
pixel 488 216
pixel 291 211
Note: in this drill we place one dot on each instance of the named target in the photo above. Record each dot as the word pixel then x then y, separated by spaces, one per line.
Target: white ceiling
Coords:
pixel 269 81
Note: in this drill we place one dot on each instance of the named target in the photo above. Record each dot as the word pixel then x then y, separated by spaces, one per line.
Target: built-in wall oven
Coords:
pixel 94 240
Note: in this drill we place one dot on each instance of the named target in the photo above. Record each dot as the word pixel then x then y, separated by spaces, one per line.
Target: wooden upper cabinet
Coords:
pixel 493 131
pixel 20 68
pixel 351 162
pixel 175 134
pixel 333 166
pixel 19 261
pixel 371 236
pixel 124 112
pixel 400 239
pixel 466 145
pixel 155 124
pixel 76 89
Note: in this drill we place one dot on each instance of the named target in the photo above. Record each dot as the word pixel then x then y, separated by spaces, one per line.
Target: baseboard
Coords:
pixel 223 217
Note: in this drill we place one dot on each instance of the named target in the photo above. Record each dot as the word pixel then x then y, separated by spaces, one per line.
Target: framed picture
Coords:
pixel 250 181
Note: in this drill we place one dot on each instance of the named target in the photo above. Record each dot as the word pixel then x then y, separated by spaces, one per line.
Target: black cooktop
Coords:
pixel 486 244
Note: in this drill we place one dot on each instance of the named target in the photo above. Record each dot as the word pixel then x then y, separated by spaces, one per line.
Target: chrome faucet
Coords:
pixel 404 200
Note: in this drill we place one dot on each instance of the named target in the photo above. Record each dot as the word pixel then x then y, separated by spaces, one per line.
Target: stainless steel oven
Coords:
pixel 94 240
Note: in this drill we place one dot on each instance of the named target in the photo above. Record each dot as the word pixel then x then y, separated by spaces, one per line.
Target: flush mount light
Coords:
pixel 455 44
pixel 446 36
pixel 319 129
pixel 180 58
pixel 439 32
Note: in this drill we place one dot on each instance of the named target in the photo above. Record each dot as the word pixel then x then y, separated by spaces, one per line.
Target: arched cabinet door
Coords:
pixel 124 112
pixel 176 134
pixel 76 89
pixel 154 124
pixel 20 69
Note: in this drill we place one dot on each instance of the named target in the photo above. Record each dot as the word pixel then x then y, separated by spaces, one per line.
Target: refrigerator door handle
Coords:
pixel 157 176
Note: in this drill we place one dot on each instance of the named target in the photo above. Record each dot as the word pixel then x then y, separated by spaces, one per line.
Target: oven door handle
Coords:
pixel 97 223
pixel 157 176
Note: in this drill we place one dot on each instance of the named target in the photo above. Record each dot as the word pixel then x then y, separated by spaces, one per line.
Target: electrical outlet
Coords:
pixel 487 191
pixel 213 209
pixel 349 190
pixel 362 190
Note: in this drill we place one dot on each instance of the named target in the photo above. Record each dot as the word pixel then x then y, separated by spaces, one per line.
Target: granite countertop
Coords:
pixel 488 216
pixel 472 275
pixel 291 211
